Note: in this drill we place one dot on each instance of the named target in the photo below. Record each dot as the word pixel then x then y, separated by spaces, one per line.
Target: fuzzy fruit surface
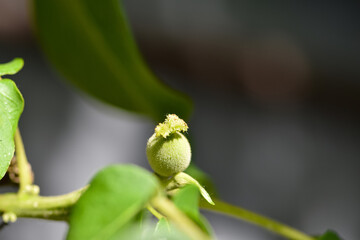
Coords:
pixel 168 156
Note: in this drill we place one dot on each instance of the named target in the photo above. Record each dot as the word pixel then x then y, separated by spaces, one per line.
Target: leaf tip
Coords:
pixel 12 67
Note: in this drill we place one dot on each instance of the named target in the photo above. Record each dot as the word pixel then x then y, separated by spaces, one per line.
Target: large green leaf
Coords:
pixel 187 200
pixel 11 107
pixel 90 43
pixel 12 67
pixel 110 205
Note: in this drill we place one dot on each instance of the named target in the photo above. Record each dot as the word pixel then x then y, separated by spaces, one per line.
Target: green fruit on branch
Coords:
pixel 168 150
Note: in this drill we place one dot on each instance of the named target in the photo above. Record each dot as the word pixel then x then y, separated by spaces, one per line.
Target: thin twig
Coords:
pixel 254 218
pixel 52 207
pixel 154 212
pixel 168 209
pixel 25 173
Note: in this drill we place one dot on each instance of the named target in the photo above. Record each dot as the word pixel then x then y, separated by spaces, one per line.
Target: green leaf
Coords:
pixel 12 67
pixel 187 200
pixel 143 218
pixel 181 179
pixel 329 235
pixel 115 196
pixel 11 107
pixel 203 178
pixel 91 44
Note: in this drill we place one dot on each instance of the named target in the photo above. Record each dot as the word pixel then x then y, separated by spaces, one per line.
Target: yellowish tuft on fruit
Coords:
pixel 168 150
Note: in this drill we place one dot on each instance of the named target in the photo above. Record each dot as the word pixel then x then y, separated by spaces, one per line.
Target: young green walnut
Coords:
pixel 168 150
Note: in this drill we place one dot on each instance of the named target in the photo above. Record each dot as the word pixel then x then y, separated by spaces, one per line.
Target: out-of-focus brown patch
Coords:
pixel 274 70
pixel 14 21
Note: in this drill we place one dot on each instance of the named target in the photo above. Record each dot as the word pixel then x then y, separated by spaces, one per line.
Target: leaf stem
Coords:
pixel 168 209
pixel 154 212
pixel 25 174
pixel 53 207
pixel 254 218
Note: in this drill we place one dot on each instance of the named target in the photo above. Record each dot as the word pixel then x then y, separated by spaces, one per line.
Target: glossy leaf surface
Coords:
pixel 110 205
pixel 11 107
pixel 90 43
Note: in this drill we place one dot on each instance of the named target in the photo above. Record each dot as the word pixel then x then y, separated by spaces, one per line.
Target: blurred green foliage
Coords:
pixel 90 43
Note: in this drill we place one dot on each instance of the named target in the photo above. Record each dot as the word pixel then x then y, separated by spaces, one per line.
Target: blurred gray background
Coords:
pixel 276 88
